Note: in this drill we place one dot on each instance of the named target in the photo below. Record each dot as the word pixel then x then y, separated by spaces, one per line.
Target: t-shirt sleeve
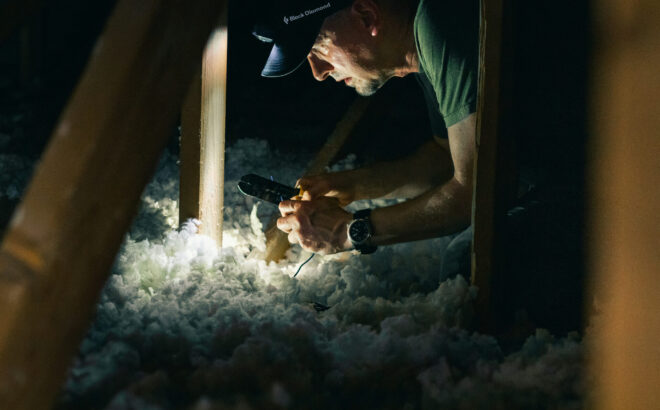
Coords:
pixel 447 35
pixel 437 123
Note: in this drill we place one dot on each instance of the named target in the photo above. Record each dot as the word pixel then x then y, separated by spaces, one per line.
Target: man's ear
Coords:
pixel 369 15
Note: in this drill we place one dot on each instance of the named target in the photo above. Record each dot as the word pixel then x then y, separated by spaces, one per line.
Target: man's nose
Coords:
pixel 320 69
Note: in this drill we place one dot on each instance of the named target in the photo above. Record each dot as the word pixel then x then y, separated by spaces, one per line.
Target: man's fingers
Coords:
pixel 314 224
pixel 289 207
pixel 312 187
pixel 305 186
pixel 288 223
pixel 283 225
pixel 293 237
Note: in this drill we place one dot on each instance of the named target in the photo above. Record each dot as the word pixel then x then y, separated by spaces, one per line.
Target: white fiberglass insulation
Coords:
pixel 184 324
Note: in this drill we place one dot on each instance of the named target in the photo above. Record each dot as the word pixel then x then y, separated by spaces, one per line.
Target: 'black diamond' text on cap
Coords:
pixel 292 26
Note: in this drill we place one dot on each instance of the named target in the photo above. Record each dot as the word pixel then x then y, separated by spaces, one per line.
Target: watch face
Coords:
pixel 358 231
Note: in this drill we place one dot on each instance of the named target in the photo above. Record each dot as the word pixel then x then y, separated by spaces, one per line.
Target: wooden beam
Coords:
pixel 203 140
pixel 62 240
pixel 339 136
pixel 624 227
pixel 494 182
pixel 277 242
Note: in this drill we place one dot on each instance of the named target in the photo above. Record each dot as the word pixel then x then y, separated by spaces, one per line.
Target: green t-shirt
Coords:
pixel 447 38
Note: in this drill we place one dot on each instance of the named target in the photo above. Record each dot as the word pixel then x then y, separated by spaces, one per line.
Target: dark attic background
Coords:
pixel 41 62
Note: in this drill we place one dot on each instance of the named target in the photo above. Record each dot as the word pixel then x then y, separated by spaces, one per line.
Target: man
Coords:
pixel 364 43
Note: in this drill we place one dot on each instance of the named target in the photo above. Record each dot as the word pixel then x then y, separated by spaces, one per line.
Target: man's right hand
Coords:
pixel 335 185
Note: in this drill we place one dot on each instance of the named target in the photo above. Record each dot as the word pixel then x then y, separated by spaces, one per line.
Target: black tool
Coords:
pixel 265 189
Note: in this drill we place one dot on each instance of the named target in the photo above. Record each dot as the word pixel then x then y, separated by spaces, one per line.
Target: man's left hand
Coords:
pixel 319 225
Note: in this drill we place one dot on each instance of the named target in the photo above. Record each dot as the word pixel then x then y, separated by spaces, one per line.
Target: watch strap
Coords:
pixel 368 247
pixel 363 214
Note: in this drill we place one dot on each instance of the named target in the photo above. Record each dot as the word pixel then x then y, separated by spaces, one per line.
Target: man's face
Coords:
pixel 345 52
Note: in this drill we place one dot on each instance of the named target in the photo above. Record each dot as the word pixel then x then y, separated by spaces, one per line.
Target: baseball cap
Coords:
pixel 292 26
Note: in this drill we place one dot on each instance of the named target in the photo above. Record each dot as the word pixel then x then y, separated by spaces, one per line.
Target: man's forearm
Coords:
pixel 408 177
pixel 440 211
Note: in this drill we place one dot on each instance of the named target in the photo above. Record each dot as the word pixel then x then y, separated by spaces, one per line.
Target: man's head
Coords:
pixel 361 42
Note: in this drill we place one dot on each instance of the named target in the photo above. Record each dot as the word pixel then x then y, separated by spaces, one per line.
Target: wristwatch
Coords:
pixel 360 232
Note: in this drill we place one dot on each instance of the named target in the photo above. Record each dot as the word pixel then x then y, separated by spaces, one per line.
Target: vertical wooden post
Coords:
pixel 203 140
pixel 624 222
pixel 493 171
pixel 63 238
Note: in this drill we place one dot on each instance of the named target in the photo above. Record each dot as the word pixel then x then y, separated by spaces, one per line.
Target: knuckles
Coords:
pixel 281 224
pixel 293 238
pixel 284 207
pixel 291 222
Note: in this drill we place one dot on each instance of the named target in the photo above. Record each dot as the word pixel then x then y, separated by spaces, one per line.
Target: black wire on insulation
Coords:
pixel 303 264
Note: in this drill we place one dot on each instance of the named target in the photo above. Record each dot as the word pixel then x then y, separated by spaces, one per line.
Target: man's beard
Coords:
pixel 367 88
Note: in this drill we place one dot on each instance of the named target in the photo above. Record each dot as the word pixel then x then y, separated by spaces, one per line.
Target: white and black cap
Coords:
pixel 292 26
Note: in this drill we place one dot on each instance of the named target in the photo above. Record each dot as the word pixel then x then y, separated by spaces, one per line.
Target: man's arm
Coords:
pixel 318 225
pixel 439 211
pixel 431 165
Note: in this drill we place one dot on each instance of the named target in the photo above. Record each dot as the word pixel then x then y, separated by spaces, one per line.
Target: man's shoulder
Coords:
pixel 426 19
pixel 444 16
pixel 447 40
pixel 426 25
pixel 438 22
